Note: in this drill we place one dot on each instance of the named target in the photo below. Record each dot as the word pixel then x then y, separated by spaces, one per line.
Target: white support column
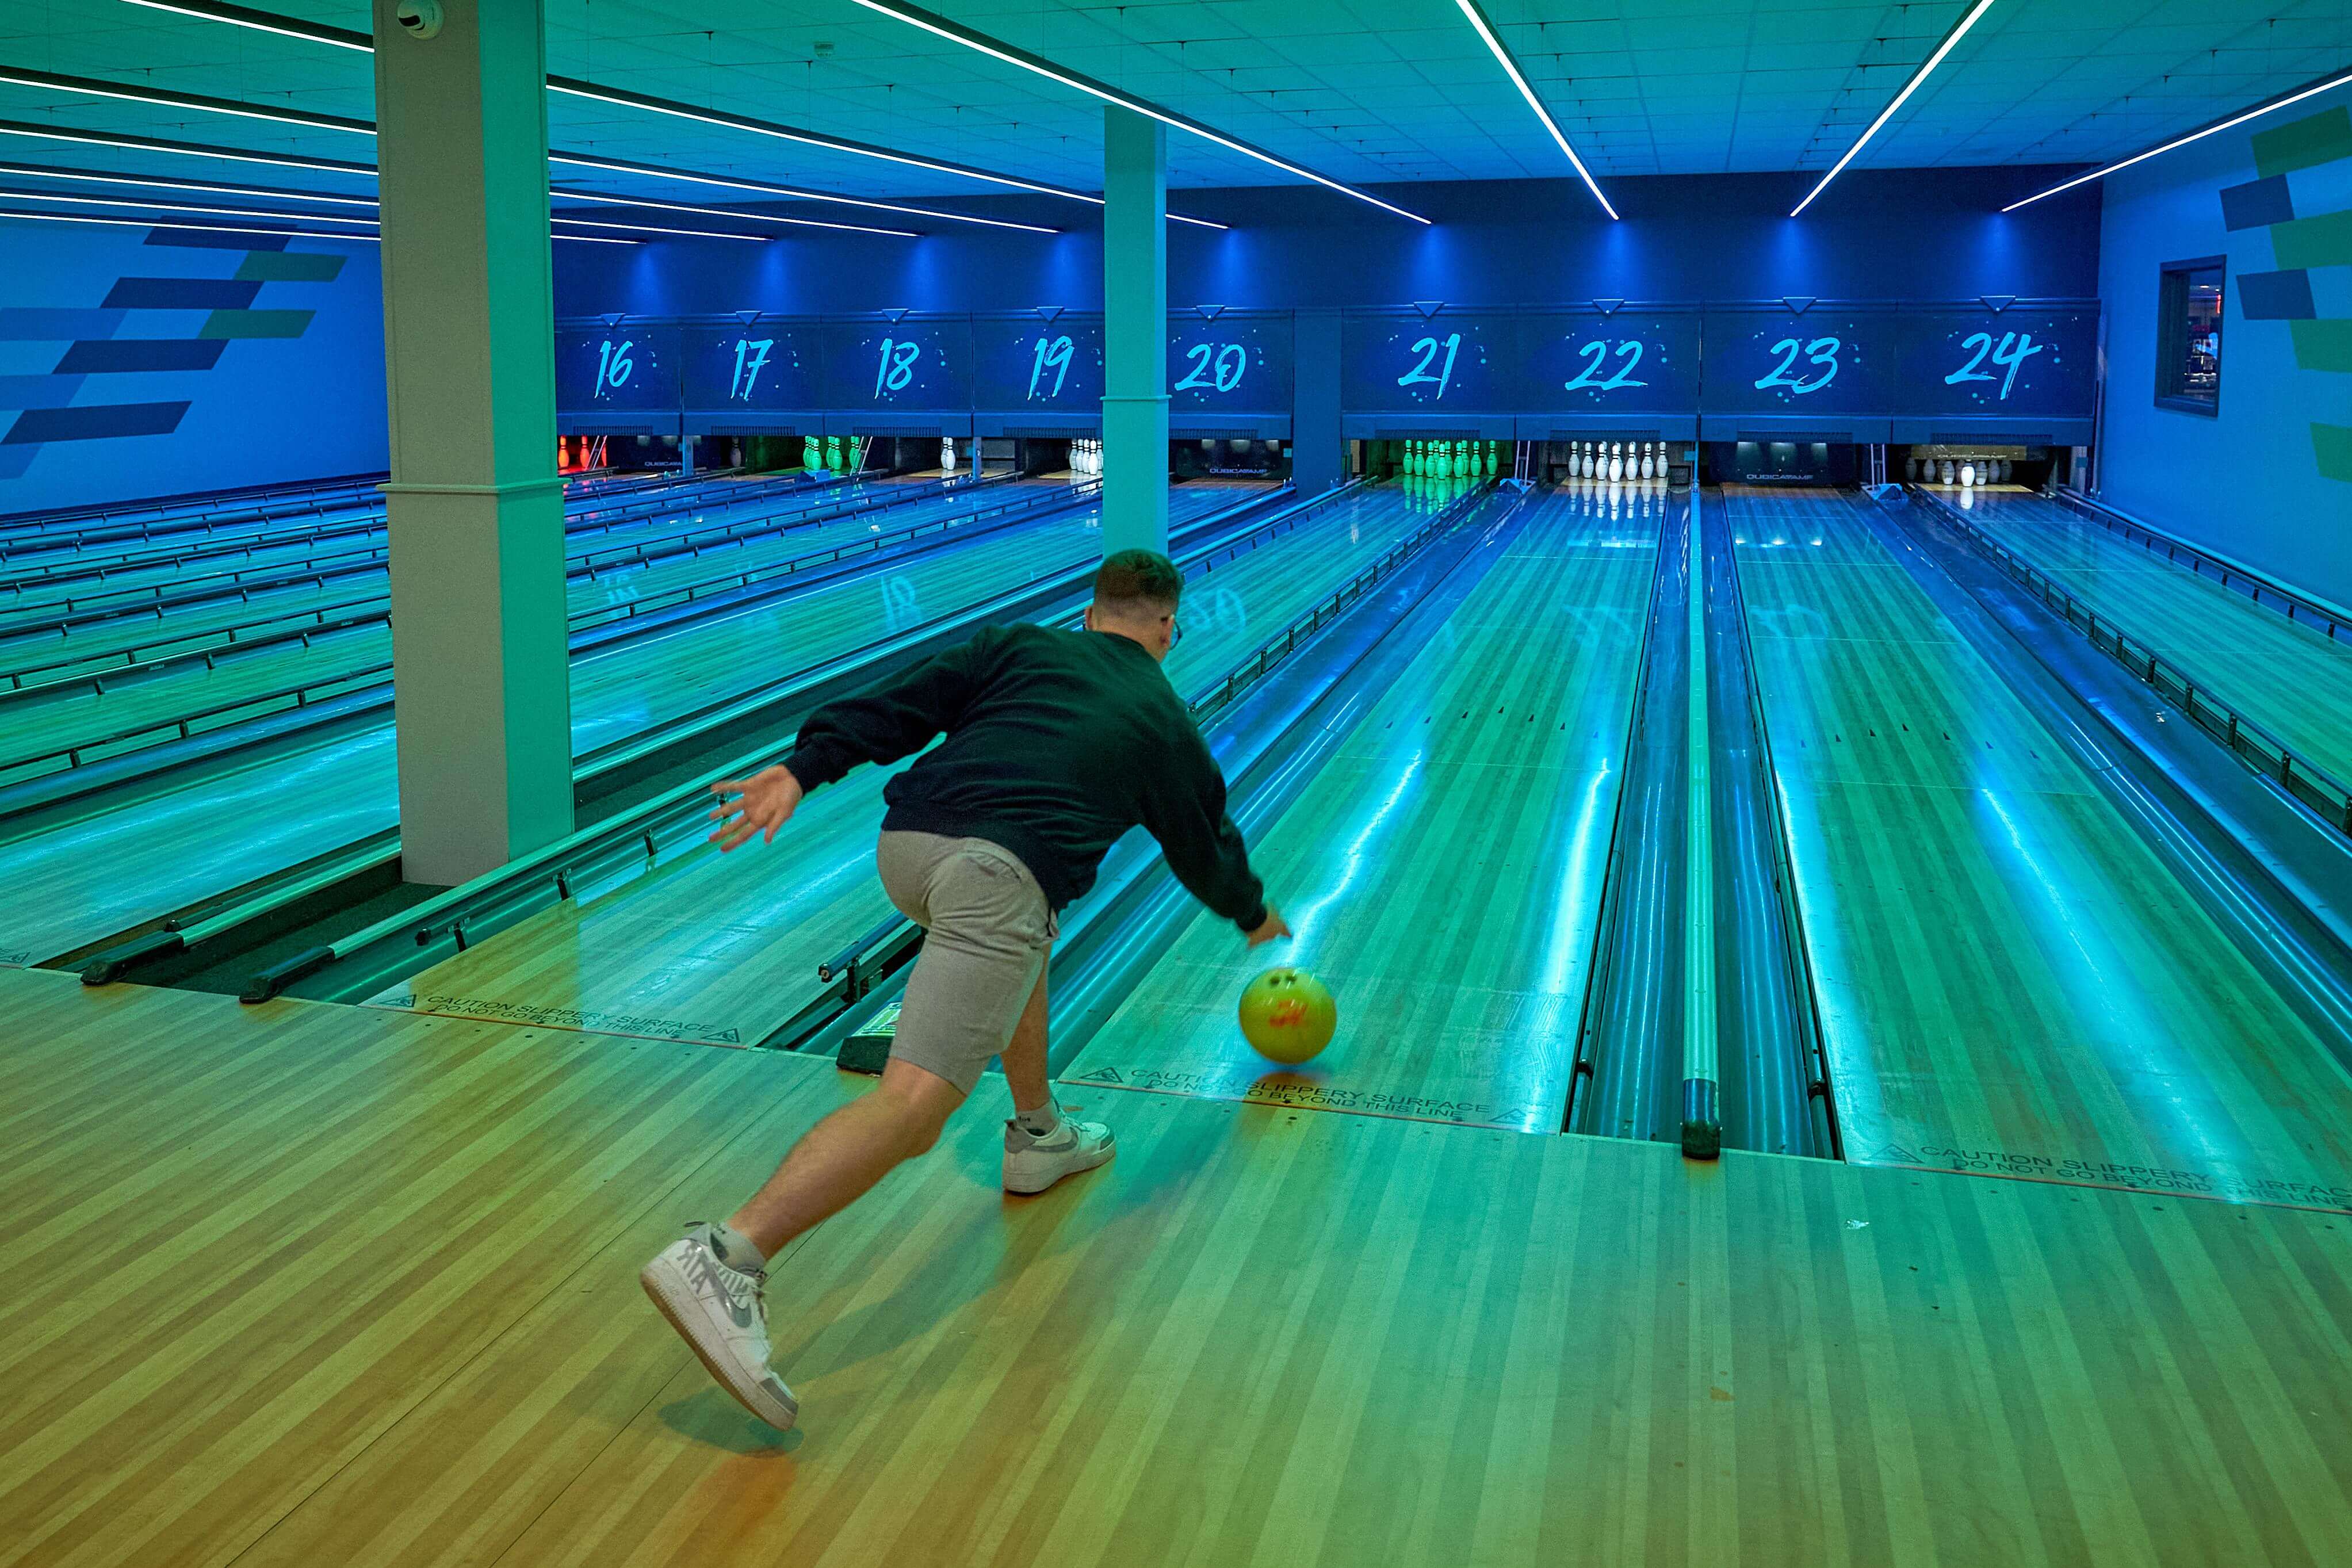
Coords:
pixel 481 669
pixel 1135 332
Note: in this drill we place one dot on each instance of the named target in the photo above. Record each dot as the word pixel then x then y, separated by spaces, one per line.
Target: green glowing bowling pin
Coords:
pixel 812 458
pixel 832 453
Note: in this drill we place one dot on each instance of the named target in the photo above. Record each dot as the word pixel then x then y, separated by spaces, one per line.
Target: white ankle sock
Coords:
pixel 1040 1122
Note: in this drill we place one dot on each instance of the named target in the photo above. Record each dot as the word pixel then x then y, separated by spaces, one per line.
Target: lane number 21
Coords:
pixel 1427 349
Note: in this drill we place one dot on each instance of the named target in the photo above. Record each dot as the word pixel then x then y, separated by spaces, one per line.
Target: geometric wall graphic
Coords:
pixel 71 403
pixel 2302 202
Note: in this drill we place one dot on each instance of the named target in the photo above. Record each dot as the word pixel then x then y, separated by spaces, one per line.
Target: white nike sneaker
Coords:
pixel 1032 1164
pixel 723 1316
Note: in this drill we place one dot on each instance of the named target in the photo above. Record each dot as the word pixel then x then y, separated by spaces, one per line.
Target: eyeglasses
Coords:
pixel 1175 631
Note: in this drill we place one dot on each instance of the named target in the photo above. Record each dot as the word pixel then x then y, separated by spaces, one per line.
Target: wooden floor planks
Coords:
pixel 305 1285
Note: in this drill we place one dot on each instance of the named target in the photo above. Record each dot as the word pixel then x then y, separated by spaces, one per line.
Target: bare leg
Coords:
pixel 840 1158
pixel 1025 1054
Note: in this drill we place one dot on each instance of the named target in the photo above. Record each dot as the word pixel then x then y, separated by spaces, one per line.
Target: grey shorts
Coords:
pixel 987 933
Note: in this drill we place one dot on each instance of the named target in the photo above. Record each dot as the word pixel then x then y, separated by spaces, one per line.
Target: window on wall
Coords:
pixel 2188 336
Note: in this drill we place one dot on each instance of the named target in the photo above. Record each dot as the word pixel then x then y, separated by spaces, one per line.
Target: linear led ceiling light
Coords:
pixel 51 81
pixel 725 211
pixel 203 188
pixel 72 199
pixel 939 26
pixel 128 142
pixel 176 223
pixel 343 38
pixel 1888 113
pixel 783 193
pixel 663 231
pixel 2272 106
pixel 1518 79
pixel 265 22
pixel 195 227
pixel 622 98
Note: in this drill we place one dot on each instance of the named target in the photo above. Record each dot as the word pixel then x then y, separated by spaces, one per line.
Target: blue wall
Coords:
pixel 274 409
pixel 1899 235
pixel 145 362
pixel 2249 482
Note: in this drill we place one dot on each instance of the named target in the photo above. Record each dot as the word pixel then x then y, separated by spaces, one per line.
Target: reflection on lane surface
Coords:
pixel 1443 870
pixel 724 949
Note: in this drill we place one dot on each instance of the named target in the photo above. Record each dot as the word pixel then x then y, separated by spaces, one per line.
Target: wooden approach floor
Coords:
pixel 323 1285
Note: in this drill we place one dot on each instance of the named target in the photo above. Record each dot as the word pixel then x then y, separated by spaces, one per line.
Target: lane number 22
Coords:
pixel 1596 354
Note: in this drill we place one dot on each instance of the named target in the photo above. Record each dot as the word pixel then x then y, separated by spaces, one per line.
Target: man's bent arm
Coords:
pixel 895 719
pixel 1187 816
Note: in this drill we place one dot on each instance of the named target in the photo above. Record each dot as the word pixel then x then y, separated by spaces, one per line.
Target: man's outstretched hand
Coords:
pixel 762 803
pixel 1269 929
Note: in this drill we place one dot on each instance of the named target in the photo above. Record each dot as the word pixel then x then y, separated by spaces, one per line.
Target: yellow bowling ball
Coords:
pixel 1288 1016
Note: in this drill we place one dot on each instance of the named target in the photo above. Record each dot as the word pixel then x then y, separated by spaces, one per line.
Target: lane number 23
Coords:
pixel 1821 352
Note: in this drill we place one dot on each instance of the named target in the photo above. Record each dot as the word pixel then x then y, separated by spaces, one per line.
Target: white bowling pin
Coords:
pixel 1968 476
pixel 1616 461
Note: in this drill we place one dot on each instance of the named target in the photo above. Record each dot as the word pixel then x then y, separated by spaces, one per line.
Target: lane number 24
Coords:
pixel 2014 349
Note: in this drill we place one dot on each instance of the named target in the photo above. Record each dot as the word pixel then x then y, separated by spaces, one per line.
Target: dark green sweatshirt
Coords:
pixel 1057 742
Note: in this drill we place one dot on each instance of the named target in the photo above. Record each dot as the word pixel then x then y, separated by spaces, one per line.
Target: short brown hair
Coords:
pixel 1140 577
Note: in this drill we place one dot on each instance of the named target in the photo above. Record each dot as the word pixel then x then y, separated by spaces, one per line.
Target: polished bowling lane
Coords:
pixel 208 835
pixel 2011 979
pixel 2287 675
pixel 1443 870
pixel 724 948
